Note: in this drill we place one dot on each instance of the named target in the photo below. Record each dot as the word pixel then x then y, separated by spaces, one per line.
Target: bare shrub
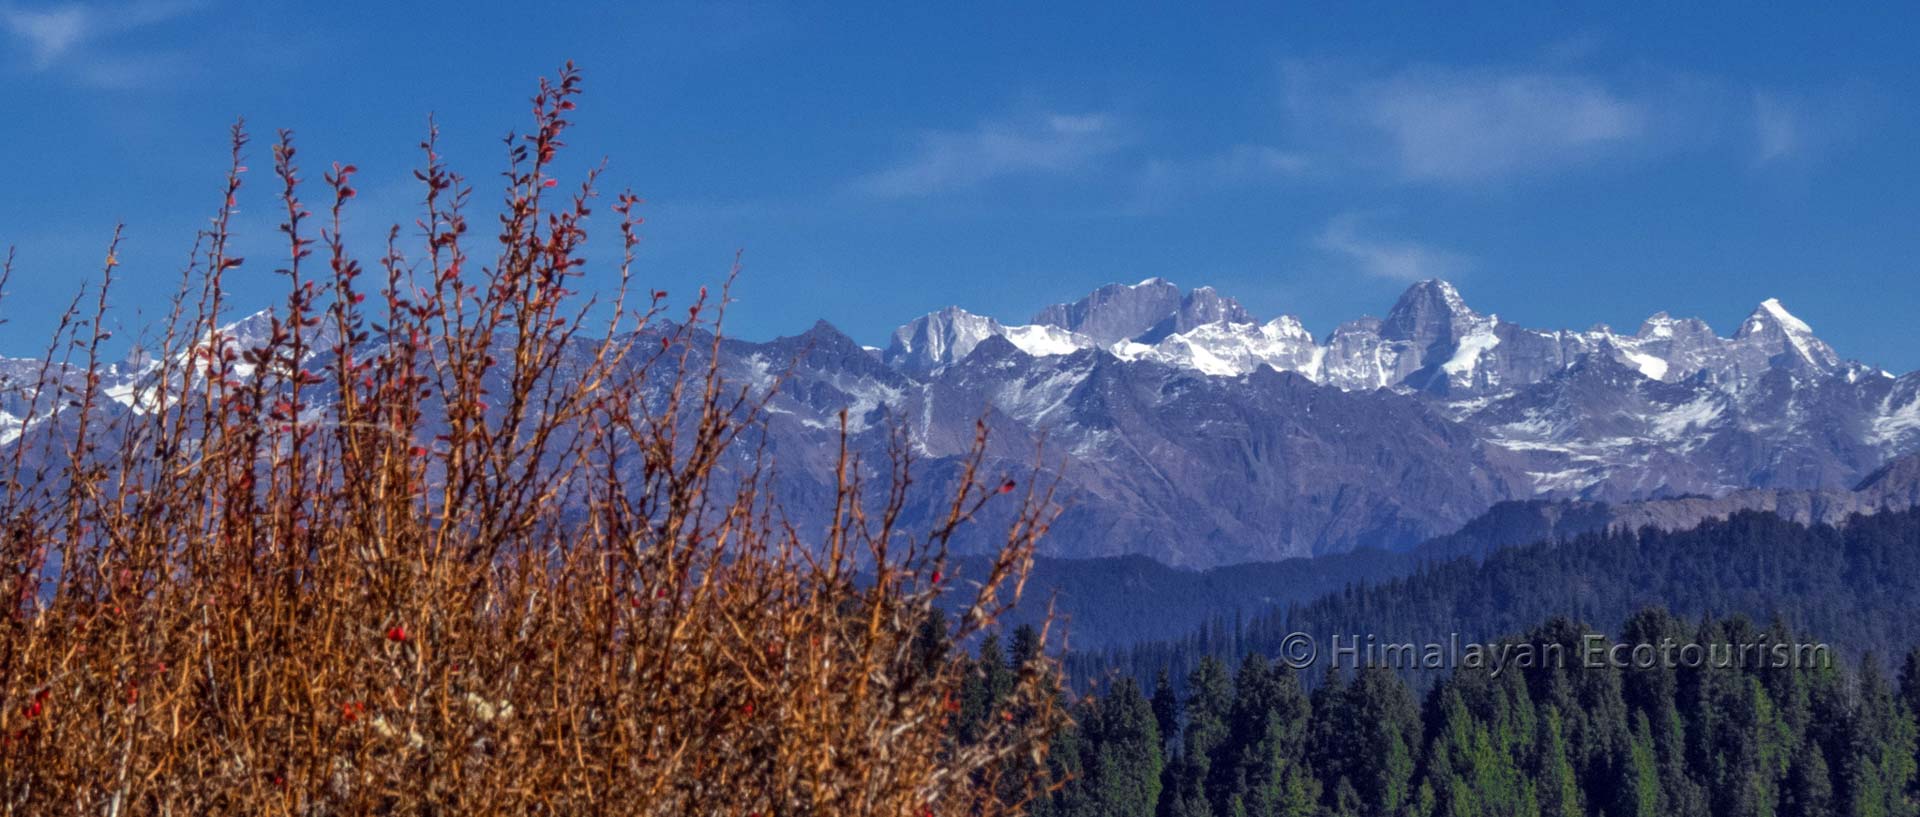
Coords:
pixel 443 536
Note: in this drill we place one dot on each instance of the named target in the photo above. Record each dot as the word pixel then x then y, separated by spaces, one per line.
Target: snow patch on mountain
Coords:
pixel 1044 341
pixel 1035 397
pixel 1786 319
pixel 1688 419
pixel 1224 349
pixel 864 397
pixel 1896 423
pixel 943 338
pixel 1478 341
pixel 1654 368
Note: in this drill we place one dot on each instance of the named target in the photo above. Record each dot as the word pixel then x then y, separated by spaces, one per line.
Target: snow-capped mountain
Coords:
pixel 1199 434
pixel 940 338
pixel 1429 341
pixel 1184 428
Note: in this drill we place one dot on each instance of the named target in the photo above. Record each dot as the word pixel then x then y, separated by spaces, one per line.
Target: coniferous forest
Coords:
pixel 1219 723
pixel 1856 586
pixel 1716 738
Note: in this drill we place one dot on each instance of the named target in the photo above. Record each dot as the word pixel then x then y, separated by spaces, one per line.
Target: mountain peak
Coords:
pixel 1427 312
pixel 826 337
pixel 938 338
pixel 1777 330
pixel 1435 291
pixel 1145 312
pixel 1771 311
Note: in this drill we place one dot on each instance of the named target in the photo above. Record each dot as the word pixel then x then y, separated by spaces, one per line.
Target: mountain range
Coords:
pixel 1188 430
pixel 1184 428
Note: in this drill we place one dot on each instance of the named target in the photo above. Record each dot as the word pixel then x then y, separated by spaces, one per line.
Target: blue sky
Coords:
pixel 876 162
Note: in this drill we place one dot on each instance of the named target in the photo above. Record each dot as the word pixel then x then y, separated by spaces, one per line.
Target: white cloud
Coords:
pixel 48 33
pixel 1167 180
pixel 1239 163
pixel 1790 127
pixel 1450 125
pixel 58 38
pixel 950 160
pixel 1465 127
pixel 1394 259
pixel 1776 127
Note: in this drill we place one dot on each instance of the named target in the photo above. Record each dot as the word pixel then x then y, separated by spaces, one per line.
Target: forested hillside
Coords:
pixel 1714 739
pixel 1857 585
pixel 1119 601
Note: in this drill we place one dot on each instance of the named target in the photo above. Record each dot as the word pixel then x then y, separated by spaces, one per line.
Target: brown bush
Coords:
pixel 462 541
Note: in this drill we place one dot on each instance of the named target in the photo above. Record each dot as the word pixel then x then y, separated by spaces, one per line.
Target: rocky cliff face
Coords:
pixel 1893 487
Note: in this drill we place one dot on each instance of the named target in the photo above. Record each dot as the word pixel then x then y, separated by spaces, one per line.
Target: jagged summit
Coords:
pixel 1144 312
pixel 1428 310
pixel 948 335
pixel 1771 313
pixel 1777 331
pixel 1431 341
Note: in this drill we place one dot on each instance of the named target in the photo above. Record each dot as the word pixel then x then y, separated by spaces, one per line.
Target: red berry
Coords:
pixel 396 633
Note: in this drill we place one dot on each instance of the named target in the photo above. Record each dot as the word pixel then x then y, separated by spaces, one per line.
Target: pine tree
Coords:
pixel 1266 733
pixel 1559 786
pixel 1299 794
pixel 1209 707
pixel 1329 741
pixel 984 688
pixel 1910 680
pixel 1065 770
pixel 1880 774
pixel 1386 722
pixel 1639 787
pixel 1123 774
pixel 1166 707
pixel 1809 788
